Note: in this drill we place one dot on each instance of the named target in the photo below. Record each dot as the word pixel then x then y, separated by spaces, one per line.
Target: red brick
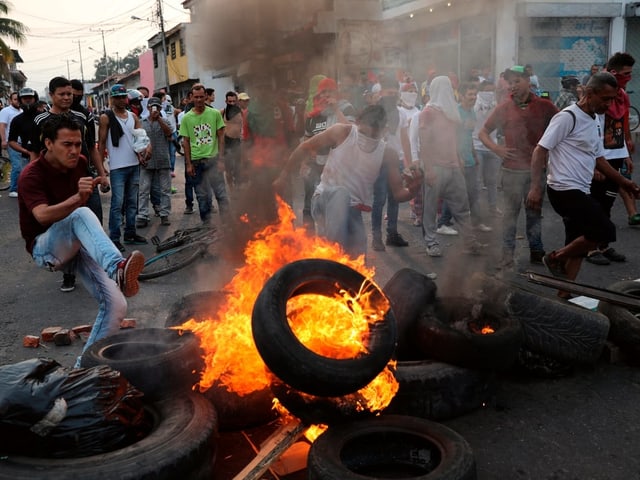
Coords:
pixel 82 329
pixel 62 337
pixel 128 323
pixel 31 341
pixel 48 333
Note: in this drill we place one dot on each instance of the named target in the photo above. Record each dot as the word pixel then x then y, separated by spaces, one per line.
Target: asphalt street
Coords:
pixel 583 426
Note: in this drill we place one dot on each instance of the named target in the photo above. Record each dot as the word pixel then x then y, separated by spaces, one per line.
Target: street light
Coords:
pixel 72 61
pixel 164 43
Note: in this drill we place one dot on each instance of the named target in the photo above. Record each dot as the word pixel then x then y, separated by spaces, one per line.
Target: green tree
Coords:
pixel 9 29
pixel 119 66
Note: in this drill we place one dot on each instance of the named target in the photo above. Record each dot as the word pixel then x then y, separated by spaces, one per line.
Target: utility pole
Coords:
pixel 164 47
pixel 81 69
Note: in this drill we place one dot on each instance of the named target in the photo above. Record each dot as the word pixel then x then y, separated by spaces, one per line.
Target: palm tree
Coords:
pixel 11 29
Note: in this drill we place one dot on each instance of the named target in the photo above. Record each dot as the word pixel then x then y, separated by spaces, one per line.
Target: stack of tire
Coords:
pixel 624 322
pixel 319 389
pixel 182 441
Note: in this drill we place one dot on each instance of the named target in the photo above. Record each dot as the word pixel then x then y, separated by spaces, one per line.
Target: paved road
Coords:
pixel 585 426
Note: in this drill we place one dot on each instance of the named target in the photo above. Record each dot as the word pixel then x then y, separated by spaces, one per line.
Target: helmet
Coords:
pixel 134 95
pixel 167 97
pixel 568 82
pixel 27 92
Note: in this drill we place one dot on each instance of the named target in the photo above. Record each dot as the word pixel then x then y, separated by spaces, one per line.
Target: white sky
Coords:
pixel 56 26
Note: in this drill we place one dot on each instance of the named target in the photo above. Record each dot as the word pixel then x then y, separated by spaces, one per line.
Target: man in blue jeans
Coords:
pixel 202 132
pixel 58 227
pixel 19 135
pixel 17 161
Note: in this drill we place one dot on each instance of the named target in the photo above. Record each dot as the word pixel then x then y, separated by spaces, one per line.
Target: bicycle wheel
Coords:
pixel 180 237
pixel 172 260
pixel 5 173
pixel 634 118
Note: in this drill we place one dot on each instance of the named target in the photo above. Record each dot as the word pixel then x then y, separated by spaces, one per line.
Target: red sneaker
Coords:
pixel 128 271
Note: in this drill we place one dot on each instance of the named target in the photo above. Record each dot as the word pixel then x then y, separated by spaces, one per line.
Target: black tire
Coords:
pixel 180 445
pixel 289 359
pixel 409 292
pixel 634 118
pixel 235 412
pixel 391 446
pixel 312 409
pixel 624 322
pixel 436 336
pixel 439 391
pixel 558 329
pixel 5 173
pixel 172 260
pixel 159 362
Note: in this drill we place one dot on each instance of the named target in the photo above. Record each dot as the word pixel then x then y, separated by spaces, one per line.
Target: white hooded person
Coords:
pixel 443 169
pixel 357 154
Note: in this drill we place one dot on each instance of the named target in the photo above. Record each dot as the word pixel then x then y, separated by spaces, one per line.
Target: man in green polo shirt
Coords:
pixel 202 132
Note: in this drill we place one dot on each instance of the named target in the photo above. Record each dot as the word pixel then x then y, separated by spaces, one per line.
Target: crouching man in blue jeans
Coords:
pixel 58 228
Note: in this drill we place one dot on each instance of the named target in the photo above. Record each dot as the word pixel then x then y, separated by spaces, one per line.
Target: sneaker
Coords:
pixel 135 240
pixel 173 174
pixel 535 256
pixel 164 221
pixel 446 230
pixel 118 245
pixel 13 194
pixel 614 256
pixel 174 190
pixel 634 220
pixel 484 228
pixel 434 251
pixel 68 282
pixel 156 209
pixel 396 240
pixel 128 271
pixel 188 211
pixel 432 275
pixel 377 244
pixel 496 213
pixel 556 267
pixel 597 258
pixel 142 223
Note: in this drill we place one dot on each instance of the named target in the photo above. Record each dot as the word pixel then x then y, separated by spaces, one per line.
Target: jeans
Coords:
pixel 445 217
pixel 311 180
pixel 189 186
pixel 160 178
pixel 471 180
pixel 338 222
pixel 209 179
pixel 172 150
pixel 79 239
pixel 17 164
pixel 515 187
pixel 382 194
pixel 451 187
pixel 95 204
pixel 489 168
pixel 124 190
pixel 232 160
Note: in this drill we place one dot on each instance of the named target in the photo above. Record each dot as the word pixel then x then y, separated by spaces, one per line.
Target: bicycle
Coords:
pixel 5 173
pixel 634 116
pixel 178 251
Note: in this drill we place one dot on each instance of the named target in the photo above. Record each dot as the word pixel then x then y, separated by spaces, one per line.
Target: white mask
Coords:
pixel 409 98
pixel 367 144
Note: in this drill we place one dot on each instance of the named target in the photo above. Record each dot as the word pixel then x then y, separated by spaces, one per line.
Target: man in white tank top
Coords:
pixel 346 186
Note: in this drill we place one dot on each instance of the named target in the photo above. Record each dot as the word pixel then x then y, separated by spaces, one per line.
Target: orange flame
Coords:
pixel 487 330
pixel 231 357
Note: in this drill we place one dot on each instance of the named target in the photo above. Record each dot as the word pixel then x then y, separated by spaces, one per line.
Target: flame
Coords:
pixel 487 330
pixel 231 358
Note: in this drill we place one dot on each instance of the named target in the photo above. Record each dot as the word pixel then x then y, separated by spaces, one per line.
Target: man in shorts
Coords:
pixel 571 147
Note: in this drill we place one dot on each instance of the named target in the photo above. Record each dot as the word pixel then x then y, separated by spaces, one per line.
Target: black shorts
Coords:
pixel 582 215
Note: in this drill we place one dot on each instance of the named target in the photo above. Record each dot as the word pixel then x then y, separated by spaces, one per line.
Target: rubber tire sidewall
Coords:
pixel 181 445
pixel 289 359
pixel 176 370
pixel 624 325
pixel 324 461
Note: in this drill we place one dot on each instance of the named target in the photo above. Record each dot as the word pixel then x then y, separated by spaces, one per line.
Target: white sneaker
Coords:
pixel 13 194
pixel 484 228
pixel 434 251
pixel 446 230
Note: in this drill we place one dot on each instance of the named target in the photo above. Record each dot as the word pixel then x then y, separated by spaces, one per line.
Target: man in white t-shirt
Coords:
pixel 6 115
pixel 571 147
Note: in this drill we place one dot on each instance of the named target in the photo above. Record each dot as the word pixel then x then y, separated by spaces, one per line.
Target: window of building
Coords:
pixel 155 60
pixel 173 50
pixel 183 49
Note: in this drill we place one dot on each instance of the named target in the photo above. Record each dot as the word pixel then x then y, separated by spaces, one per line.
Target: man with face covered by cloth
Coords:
pixel 356 157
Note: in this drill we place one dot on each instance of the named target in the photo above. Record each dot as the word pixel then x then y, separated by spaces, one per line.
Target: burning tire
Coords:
pixel 391 446
pixel 439 391
pixel 452 329
pixel 293 362
pixel 234 412
pixel 409 292
pixel 157 361
pixel 625 322
pixel 181 444
pixel 556 329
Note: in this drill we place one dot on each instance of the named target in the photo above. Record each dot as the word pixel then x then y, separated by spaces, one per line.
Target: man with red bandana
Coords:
pixel 617 151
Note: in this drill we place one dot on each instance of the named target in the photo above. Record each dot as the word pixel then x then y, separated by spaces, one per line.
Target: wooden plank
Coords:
pixel 271 449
